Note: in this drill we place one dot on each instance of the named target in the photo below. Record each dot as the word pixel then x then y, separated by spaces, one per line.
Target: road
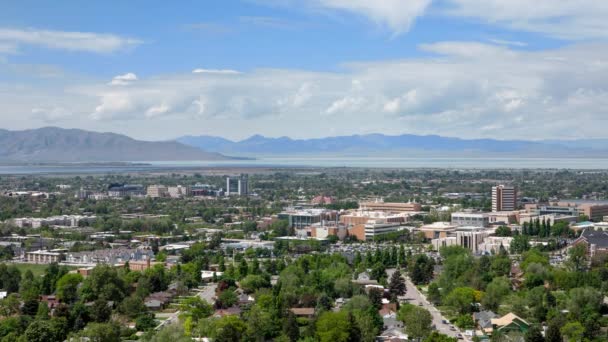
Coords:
pixel 208 293
pixel 415 297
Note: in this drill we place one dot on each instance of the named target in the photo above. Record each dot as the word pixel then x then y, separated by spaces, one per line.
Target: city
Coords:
pixel 280 254
pixel 304 171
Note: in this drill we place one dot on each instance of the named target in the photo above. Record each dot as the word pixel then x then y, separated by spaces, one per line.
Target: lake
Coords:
pixel 317 162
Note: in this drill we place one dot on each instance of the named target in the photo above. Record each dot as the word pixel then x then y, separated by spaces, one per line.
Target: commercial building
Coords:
pixel 238 186
pixel 394 207
pixel 594 210
pixel 61 220
pixel 178 191
pixel 375 228
pixel 157 191
pixel 44 257
pixel 200 190
pixel 493 244
pixel 504 198
pixel 438 230
pixel 471 219
pixel 467 237
pixel 300 218
pixel 123 190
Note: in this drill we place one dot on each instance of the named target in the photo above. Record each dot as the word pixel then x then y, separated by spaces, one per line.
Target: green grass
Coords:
pixel 37 269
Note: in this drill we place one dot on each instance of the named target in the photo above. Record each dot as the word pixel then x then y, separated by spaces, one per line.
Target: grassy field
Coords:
pixel 37 269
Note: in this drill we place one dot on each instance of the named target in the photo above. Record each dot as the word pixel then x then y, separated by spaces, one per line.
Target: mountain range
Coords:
pixel 411 144
pixel 52 144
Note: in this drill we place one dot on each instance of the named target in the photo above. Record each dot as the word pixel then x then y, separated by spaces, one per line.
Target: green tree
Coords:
pixel 503 231
pixel 101 332
pixel 496 291
pixel 577 257
pixel 553 334
pixel 397 284
pixel 67 287
pixel 461 299
pixel 438 337
pixel 333 327
pixel 291 328
pixel 520 244
pixel 42 331
pixel 433 293
pixel 534 334
pixel 417 320
pixel 573 331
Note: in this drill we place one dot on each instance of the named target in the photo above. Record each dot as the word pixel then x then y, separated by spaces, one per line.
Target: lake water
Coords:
pixel 278 162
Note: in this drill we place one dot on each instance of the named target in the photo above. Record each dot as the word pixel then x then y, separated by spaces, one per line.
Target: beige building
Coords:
pixel 438 230
pixel 44 257
pixel 394 207
pixel 157 191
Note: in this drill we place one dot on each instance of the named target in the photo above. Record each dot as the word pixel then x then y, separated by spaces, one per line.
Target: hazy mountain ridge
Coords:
pixel 379 143
pixel 53 144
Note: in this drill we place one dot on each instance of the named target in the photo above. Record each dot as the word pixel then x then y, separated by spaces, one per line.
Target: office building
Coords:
pixel 157 191
pixel 394 207
pixel 123 190
pixel 471 219
pixel 504 198
pixel 300 218
pixel 238 186
pixel 178 191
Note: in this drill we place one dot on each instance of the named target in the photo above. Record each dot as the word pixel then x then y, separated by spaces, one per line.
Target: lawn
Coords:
pixel 37 269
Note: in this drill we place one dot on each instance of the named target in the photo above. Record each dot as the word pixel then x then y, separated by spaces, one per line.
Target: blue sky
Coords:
pixel 467 68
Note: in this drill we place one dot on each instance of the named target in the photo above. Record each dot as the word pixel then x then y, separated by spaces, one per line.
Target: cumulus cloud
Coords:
pixel 582 19
pixel 517 93
pixel 71 41
pixel 122 80
pixel 397 15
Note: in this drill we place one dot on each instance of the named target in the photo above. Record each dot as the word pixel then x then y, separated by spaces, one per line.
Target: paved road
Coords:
pixel 208 293
pixel 415 297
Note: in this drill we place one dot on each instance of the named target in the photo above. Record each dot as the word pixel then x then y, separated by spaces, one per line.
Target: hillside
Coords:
pixel 52 144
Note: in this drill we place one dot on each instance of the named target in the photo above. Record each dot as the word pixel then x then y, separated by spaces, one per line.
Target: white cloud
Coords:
pixel 461 88
pixel 397 15
pixel 71 41
pixel 51 114
pixel 507 42
pixel 345 104
pixel 156 111
pixel 566 19
pixel 122 80
pixel 215 71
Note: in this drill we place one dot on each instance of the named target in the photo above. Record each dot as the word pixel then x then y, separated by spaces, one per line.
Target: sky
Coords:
pixel 157 70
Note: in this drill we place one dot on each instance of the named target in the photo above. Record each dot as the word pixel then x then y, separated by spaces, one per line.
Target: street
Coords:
pixel 415 297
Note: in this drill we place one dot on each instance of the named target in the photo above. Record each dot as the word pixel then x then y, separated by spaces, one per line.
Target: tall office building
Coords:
pixel 504 198
pixel 237 185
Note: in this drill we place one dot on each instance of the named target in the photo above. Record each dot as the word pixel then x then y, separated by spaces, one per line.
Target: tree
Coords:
pixel 333 327
pixel 101 332
pixel 226 299
pixel 145 322
pixel 496 290
pixel 577 257
pixel 67 287
pixel 573 331
pixel 375 297
pixel 421 272
pixel 100 311
pixel 503 231
pixel 397 284
pixel 291 328
pixel 534 334
pixel 354 332
pixel 229 328
pixel 438 337
pixel 553 334
pixel 461 299
pixel 433 293
pixel 42 331
pixel 196 308
pixel 253 282
pixel 417 320
pixel 520 244
pixel 132 307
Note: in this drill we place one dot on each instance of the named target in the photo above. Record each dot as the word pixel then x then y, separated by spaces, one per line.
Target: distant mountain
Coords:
pixel 390 145
pixel 52 144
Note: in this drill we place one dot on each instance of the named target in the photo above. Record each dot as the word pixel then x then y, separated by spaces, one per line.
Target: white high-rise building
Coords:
pixel 504 198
